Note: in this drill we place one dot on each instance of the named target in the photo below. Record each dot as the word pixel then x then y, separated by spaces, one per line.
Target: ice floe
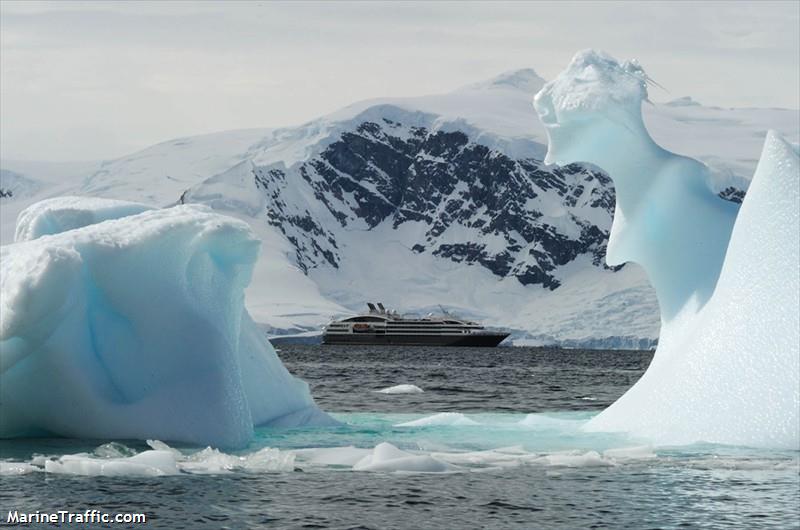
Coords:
pixel 401 389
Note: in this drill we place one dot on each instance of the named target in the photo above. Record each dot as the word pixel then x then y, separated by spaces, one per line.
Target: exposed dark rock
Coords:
pixel 388 172
pixel 732 194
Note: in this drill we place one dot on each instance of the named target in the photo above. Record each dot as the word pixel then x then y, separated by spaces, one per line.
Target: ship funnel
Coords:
pixel 380 306
pixel 371 307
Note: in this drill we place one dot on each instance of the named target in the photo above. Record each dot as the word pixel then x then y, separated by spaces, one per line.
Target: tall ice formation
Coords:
pixel 727 368
pixel 120 321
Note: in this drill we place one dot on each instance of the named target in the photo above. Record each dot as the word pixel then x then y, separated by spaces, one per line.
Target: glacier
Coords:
pixel 727 367
pixel 118 320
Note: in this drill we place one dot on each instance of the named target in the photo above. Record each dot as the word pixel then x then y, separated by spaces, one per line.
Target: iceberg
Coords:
pixel 727 367
pixel 59 214
pixel 667 218
pixel 121 321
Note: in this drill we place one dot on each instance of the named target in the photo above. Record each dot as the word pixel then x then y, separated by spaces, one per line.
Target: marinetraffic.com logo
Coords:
pixel 15 517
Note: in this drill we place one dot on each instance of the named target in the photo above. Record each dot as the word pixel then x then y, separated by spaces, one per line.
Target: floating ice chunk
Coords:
pixel 115 459
pixel 501 457
pixel 510 457
pixel 145 464
pixel 115 450
pixel 158 445
pixel 141 321
pixel 268 459
pixel 443 418
pixel 401 389
pixel 387 457
pixel 587 459
pixel 333 456
pixel 727 367
pixel 209 462
pixel 166 460
pixel 53 216
pixel 212 461
pixel 16 468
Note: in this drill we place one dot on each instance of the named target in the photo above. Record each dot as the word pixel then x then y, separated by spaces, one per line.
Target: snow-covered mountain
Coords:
pixel 425 201
pixel 15 185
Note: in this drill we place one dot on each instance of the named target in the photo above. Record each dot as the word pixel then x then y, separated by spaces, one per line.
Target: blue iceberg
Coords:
pixel 121 321
pixel 727 368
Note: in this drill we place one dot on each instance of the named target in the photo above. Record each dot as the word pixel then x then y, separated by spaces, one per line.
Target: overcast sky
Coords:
pixel 99 80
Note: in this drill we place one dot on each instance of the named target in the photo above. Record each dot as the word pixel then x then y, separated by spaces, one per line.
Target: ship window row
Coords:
pixel 399 333
pixel 432 325
pixel 424 323
pixel 404 325
pixel 432 328
pixel 410 332
pixel 399 323
pixel 346 327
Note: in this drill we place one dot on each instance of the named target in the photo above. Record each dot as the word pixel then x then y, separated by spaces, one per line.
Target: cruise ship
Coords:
pixel 382 326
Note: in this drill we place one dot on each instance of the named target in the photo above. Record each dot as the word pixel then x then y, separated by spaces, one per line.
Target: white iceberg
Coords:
pixel 667 218
pixel 727 368
pixel 401 389
pixel 59 214
pixel 134 327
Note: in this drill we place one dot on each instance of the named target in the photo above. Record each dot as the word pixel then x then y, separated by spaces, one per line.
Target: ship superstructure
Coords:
pixel 382 326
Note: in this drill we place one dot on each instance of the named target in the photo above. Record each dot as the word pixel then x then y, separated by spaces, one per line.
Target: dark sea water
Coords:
pixel 529 401
pixel 465 379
